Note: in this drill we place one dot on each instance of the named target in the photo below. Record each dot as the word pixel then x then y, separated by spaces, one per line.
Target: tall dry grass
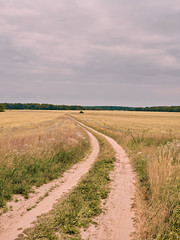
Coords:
pixel 152 141
pixel 35 133
pixel 163 209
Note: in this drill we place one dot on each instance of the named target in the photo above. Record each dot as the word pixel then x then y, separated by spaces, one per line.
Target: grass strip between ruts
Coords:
pixel 81 206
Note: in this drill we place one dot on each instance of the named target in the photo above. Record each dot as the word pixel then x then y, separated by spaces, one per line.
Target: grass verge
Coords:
pixel 81 206
pixel 25 172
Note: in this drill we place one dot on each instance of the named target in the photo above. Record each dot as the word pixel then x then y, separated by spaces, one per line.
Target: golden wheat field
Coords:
pixel 135 121
pixel 152 141
pixel 35 132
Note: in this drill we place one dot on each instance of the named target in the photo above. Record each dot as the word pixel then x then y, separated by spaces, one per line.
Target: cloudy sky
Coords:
pixel 90 52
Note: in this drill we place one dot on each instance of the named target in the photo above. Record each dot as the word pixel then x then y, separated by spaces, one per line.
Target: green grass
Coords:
pixel 23 173
pixel 81 206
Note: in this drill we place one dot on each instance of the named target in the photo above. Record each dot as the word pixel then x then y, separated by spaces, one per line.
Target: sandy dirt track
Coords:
pixel 117 220
pixel 14 222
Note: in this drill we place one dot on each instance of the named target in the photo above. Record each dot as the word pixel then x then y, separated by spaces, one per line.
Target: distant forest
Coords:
pixel 159 109
pixel 38 106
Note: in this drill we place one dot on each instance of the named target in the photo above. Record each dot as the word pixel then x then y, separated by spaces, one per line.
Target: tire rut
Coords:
pixel 117 220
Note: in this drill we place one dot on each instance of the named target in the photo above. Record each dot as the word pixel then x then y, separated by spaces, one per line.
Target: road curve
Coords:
pixel 117 221
pixel 13 224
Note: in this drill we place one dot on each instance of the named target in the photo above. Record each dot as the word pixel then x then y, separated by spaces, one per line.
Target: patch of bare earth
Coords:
pixel 117 220
pixel 23 212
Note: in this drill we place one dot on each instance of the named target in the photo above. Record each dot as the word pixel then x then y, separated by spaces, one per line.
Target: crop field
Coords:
pixel 152 141
pixel 39 146
pixel 35 148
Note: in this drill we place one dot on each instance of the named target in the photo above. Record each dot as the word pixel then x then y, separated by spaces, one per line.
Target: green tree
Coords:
pixel 1 108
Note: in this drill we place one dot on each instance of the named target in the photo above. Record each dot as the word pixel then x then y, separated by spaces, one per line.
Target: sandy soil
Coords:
pixel 15 221
pixel 117 220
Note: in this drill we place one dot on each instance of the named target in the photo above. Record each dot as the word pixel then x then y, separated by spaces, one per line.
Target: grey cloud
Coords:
pixel 125 52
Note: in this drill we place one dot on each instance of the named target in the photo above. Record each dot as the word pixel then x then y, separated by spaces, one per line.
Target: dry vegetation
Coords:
pixel 152 141
pixel 36 133
pixel 36 147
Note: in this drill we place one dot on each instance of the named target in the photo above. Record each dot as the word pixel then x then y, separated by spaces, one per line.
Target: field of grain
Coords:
pixel 36 147
pixel 152 141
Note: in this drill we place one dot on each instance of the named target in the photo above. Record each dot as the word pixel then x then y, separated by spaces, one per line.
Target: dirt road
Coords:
pixel 14 222
pixel 116 223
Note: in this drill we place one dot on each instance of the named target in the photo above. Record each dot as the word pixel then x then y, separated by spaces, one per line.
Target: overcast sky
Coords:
pixel 90 52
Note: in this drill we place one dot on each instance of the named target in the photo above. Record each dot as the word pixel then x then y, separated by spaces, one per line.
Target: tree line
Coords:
pixel 159 109
pixel 39 106
pixel 44 106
